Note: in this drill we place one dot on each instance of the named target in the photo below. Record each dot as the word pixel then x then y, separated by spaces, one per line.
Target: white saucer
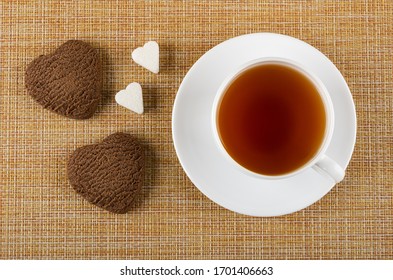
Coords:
pixel 203 162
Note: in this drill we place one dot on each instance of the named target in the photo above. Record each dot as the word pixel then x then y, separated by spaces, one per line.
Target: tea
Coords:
pixel 271 119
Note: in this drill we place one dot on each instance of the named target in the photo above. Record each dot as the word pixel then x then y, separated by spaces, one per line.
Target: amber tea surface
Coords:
pixel 271 119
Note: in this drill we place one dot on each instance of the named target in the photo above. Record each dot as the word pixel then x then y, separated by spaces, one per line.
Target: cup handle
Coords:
pixel 330 167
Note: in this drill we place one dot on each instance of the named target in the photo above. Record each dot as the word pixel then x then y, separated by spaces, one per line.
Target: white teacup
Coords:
pixel 320 161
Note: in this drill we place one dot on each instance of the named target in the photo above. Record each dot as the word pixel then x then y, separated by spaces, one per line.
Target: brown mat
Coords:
pixel 43 218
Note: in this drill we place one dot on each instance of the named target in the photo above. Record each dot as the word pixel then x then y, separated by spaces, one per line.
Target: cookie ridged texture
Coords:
pixel 109 174
pixel 68 81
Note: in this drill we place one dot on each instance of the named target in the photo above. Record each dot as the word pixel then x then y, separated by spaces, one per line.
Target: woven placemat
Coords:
pixel 43 218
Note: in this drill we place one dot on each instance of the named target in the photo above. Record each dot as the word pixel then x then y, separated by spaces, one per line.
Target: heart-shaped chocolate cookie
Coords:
pixel 68 81
pixel 108 174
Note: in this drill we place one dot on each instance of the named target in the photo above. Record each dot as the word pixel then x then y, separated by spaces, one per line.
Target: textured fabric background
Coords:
pixel 43 218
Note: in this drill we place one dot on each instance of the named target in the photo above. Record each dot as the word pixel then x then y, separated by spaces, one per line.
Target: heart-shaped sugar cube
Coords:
pixel 148 56
pixel 131 98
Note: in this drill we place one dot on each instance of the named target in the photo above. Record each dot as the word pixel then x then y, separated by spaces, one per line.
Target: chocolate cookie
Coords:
pixel 108 174
pixel 68 81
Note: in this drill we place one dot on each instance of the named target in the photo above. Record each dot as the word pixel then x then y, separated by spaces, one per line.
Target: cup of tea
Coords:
pixel 273 118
